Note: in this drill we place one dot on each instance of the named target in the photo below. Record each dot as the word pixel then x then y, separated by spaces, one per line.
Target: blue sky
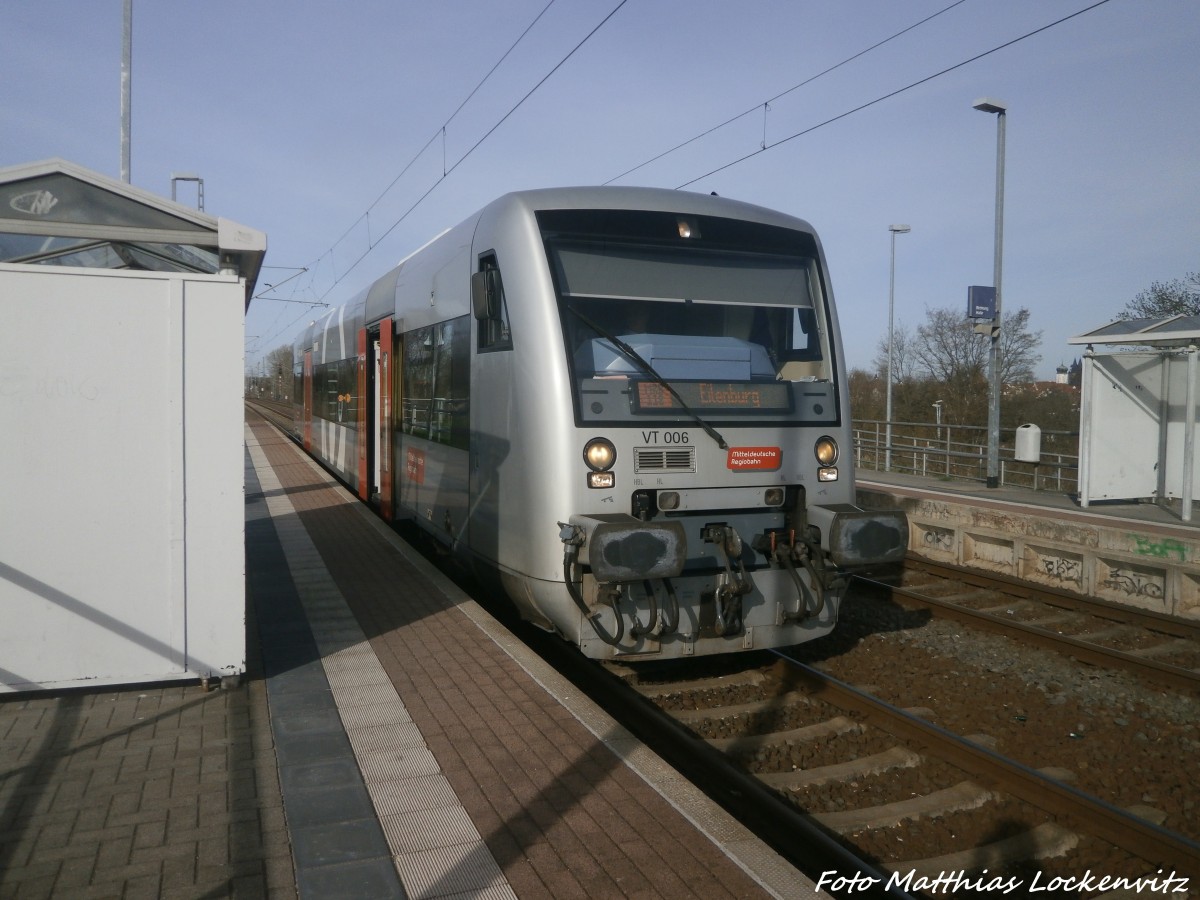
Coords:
pixel 299 116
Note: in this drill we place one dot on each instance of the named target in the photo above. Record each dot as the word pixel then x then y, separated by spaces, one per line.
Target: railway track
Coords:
pixel 1160 648
pixel 915 799
pixel 278 412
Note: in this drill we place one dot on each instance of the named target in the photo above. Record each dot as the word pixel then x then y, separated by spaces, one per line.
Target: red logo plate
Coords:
pixel 754 459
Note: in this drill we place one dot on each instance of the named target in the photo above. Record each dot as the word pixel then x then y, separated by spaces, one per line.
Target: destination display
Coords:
pixel 713 396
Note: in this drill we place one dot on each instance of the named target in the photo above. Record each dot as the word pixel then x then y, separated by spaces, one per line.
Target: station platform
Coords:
pixel 1053 502
pixel 390 739
pixel 1131 553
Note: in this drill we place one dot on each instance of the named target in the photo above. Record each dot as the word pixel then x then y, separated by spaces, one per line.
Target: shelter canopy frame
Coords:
pixel 57 213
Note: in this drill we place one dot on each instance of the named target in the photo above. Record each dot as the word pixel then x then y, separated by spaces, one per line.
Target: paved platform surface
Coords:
pixel 1055 503
pixel 389 740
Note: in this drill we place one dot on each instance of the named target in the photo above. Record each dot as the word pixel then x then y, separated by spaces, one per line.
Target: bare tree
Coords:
pixel 1162 300
pixel 903 362
pixel 948 350
pixel 279 372
pixel 1018 348
pixel 866 394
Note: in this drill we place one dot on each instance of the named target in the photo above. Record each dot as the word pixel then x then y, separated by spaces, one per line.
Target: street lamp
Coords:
pixel 988 105
pixel 887 453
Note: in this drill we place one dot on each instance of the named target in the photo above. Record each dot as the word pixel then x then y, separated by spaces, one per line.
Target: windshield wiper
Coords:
pixel 634 357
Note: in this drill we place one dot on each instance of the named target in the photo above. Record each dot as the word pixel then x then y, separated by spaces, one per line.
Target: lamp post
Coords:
pixel 887 452
pixel 988 105
pixel 126 85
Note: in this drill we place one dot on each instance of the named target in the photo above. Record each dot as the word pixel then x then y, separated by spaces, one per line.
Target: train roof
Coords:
pixel 657 199
pixel 380 292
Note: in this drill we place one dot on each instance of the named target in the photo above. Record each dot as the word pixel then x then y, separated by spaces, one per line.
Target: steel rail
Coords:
pixel 1092 815
pixel 1163 623
pixel 1162 673
pixel 789 831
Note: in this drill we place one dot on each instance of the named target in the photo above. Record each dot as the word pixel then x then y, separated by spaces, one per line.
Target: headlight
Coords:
pixel 601 480
pixel 599 454
pixel 826 450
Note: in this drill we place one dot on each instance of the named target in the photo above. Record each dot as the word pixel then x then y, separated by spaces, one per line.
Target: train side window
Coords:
pixel 417 389
pixel 436 383
pixel 451 420
pixel 490 308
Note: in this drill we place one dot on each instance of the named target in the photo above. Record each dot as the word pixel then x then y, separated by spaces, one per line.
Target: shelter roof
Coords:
pixel 57 213
pixel 1173 331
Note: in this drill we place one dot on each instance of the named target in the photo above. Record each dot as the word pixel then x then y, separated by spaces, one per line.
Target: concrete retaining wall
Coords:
pixel 1144 565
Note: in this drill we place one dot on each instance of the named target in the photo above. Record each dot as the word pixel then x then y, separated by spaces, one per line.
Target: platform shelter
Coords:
pixel 1137 435
pixel 121 501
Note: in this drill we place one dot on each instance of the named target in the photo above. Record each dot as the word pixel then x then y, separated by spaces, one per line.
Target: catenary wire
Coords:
pixel 439 133
pixel 479 142
pixel 888 95
pixel 781 94
pixel 448 170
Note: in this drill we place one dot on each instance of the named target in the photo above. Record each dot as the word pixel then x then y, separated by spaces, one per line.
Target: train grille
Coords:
pixel 661 459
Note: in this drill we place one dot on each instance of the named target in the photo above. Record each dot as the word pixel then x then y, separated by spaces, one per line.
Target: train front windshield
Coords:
pixel 730 314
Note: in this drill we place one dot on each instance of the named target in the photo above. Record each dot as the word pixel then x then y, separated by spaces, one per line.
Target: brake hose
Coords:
pixel 638 628
pixel 669 625
pixel 570 553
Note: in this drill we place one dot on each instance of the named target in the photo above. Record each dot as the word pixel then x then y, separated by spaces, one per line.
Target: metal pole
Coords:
pixel 993 448
pixel 994 403
pixel 1084 476
pixel 1189 434
pixel 887 457
pixel 126 68
pixel 887 416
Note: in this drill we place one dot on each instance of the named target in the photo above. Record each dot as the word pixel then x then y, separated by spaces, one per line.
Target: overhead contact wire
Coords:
pixel 478 143
pixel 766 104
pixel 441 133
pixel 891 94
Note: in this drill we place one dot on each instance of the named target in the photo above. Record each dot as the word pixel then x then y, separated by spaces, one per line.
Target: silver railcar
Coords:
pixel 628 404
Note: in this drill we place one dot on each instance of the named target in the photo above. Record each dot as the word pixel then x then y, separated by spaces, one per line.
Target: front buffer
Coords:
pixel 627 577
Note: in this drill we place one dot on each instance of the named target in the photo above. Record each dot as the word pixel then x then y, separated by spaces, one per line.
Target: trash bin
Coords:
pixel 1029 444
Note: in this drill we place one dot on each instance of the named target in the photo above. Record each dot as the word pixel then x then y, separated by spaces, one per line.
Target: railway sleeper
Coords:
pixel 1166 648
pixel 1114 632
pixel 965 795
pixel 749 678
pixel 1011 608
pixel 1044 841
pixel 756 707
pixel 834 727
pixel 876 764
pixel 972 596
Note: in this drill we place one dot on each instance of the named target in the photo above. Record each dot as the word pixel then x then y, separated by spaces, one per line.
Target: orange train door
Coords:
pixel 385 417
pixel 364 481
pixel 308 399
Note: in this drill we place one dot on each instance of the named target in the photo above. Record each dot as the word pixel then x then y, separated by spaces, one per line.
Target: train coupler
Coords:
pixel 727 598
pixel 782 549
